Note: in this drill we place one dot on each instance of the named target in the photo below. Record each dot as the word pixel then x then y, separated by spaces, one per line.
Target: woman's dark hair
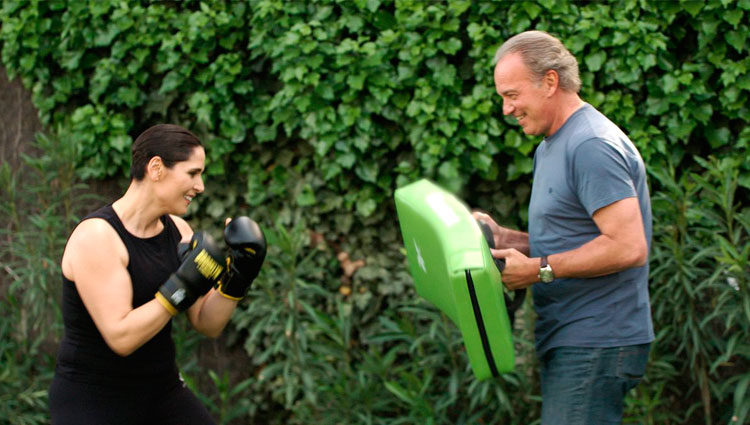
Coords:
pixel 169 142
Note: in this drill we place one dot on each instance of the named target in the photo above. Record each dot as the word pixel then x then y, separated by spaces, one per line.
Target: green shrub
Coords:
pixel 317 351
pixel 700 294
pixel 330 105
pixel 39 206
pixel 25 371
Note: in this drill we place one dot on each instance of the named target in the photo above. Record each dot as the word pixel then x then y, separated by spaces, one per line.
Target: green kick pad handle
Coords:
pixel 452 268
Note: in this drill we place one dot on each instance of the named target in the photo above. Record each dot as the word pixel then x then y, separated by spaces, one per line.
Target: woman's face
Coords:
pixel 183 182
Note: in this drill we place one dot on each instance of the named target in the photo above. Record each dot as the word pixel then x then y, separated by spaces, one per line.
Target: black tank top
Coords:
pixel 83 355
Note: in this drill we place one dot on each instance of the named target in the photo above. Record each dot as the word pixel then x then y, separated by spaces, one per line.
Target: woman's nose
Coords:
pixel 199 185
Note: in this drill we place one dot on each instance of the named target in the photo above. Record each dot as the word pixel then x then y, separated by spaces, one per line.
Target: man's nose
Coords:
pixel 508 108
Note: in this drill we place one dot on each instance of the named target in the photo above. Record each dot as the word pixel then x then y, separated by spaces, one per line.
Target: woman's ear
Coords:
pixel 155 168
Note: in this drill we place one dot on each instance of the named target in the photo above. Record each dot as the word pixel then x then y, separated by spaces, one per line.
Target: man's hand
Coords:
pixel 520 271
pixel 504 238
pixel 484 218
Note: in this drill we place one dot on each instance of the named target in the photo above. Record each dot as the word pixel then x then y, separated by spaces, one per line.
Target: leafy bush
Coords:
pixel 336 103
pixel 25 371
pixel 701 294
pixel 39 206
pixel 317 352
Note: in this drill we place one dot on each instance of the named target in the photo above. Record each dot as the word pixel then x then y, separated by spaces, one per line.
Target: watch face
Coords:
pixel 546 275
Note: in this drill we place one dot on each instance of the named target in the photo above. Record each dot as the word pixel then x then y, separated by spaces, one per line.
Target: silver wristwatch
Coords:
pixel 546 275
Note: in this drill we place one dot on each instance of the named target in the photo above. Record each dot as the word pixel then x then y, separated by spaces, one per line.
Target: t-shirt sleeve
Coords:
pixel 601 174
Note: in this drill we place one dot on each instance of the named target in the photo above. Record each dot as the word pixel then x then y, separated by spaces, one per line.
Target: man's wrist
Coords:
pixel 546 275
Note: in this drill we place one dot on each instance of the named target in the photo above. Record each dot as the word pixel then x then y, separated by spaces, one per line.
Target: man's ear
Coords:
pixel 155 168
pixel 551 82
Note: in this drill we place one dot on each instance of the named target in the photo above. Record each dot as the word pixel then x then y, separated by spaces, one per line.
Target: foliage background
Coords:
pixel 313 113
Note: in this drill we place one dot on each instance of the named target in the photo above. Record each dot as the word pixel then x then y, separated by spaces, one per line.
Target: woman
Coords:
pixel 124 280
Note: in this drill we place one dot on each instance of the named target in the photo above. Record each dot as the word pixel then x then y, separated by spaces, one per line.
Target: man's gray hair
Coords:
pixel 542 52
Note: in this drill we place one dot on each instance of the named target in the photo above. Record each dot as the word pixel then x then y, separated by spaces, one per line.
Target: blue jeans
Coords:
pixel 583 385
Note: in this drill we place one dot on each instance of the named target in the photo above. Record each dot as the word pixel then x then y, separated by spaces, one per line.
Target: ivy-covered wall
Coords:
pixel 313 113
pixel 360 96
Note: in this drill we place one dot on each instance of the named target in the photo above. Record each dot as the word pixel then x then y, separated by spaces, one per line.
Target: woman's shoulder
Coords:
pixel 185 230
pixel 93 228
pixel 94 238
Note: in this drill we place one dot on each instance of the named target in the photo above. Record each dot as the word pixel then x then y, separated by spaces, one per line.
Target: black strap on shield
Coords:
pixel 511 304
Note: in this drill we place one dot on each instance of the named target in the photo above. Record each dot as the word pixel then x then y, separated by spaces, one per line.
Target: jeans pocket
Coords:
pixel 631 363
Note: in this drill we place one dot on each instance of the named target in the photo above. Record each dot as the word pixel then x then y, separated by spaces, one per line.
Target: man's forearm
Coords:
pixel 600 256
pixel 621 245
pixel 509 238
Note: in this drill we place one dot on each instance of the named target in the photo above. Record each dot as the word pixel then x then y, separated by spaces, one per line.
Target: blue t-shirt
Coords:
pixel 587 164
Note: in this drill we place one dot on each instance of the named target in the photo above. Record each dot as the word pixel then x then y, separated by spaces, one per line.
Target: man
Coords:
pixel 586 254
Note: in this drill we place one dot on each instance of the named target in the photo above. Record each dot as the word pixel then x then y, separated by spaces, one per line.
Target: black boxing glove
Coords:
pixel 247 250
pixel 202 266
pixel 182 250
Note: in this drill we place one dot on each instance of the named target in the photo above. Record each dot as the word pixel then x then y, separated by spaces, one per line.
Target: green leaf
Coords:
pixel 481 161
pixel 736 39
pixel 670 83
pixel 459 6
pixel 445 75
pixel 99 8
pixel 306 196
pixel 531 9
pixel 71 60
pixel 373 5
pixel 346 160
pixel 447 127
pixel 620 38
pixel 349 114
pixel 594 61
pixel 733 16
pixel 576 43
pixel 120 142
pixel 702 112
pixel 367 171
pixel 399 392
pixel 264 133
pixel 104 38
pixel 331 171
pixel 450 46
pixel 693 7
pixel 366 207
pixel 356 81
pixel 718 137
pixel 448 171
pixel 647 61
pixel 171 81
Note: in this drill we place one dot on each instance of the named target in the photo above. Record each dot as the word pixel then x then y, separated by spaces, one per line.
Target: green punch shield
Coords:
pixel 452 268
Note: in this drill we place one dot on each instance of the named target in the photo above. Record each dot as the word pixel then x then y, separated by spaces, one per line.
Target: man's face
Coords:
pixel 523 96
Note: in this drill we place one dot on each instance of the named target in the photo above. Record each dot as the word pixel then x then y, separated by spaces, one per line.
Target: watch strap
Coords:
pixel 546 275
